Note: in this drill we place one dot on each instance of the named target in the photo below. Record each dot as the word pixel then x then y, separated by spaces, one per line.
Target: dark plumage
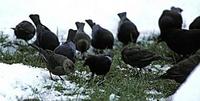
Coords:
pixel 195 23
pixel 171 19
pixel 46 39
pixel 183 42
pixel 99 65
pixel 180 71
pixel 56 64
pixel 127 30
pixel 82 40
pixel 68 48
pixel 138 57
pixel 24 30
pixel 101 37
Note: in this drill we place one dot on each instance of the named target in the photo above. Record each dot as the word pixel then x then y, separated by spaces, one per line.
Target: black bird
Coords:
pixel 56 64
pixel 24 30
pixel 137 56
pixel 180 71
pixel 183 42
pixel 170 19
pixel 195 23
pixel 101 37
pixel 46 39
pixel 127 30
pixel 98 64
pixel 82 40
pixel 68 48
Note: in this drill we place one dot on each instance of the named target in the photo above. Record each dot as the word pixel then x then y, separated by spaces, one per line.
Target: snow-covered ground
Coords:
pixel 20 82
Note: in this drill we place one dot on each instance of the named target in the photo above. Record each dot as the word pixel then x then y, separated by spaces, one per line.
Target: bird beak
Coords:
pixel 13 28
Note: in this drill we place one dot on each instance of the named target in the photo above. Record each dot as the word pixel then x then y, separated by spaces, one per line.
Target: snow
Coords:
pixel 190 89
pixel 20 82
pixel 113 97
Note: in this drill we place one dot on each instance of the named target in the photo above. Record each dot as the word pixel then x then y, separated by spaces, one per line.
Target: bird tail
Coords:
pixel 40 50
pixel 121 15
pixel 35 18
pixel 80 25
pixel 71 35
pixel 90 22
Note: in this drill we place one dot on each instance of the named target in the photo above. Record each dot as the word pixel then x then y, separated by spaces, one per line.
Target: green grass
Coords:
pixel 121 80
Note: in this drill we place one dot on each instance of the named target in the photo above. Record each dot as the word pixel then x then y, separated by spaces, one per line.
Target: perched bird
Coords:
pixel 24 30
pixel 101 37
pixel 68 48
pixel 46 39
pixel 56 64
pixel 137 56
pixel 82 40
pixel 183 42
pixel 98 64
pixel 180 71
pixel 127 30
pixel 195 23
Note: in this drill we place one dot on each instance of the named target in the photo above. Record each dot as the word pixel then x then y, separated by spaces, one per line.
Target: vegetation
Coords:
pixel 127 83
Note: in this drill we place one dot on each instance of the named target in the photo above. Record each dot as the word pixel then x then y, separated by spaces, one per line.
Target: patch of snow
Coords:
pixel 113 97
pixel 20 82
pixel 153 92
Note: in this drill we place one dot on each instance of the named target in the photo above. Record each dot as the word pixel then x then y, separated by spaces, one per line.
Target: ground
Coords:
pixel 122 83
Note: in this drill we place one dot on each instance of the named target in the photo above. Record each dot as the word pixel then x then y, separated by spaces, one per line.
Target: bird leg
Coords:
pixel 61 78
pixel 51 76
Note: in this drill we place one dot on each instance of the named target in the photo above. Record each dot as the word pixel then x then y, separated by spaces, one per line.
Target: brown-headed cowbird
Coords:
pixel 46 39
pixel 24 30
pixel 101 37
pixel 82 40
pixel 98 64
pixel 138 57
pixel 68 48
pixel 180 71
pixel 56 64
pixel 127 30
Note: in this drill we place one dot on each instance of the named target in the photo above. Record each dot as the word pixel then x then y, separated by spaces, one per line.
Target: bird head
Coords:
pixel 68 66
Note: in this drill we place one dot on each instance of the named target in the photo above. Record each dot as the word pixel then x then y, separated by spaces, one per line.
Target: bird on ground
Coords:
pixel 24 30
pixel 82 40
pixel 98 64
pixel 183 42
pixel 68 48
pixel 46 39
pixel 138 57
pixel 101 37
pixel 180 71
pixel 127 30
pixel 195 23
pixel 56 64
